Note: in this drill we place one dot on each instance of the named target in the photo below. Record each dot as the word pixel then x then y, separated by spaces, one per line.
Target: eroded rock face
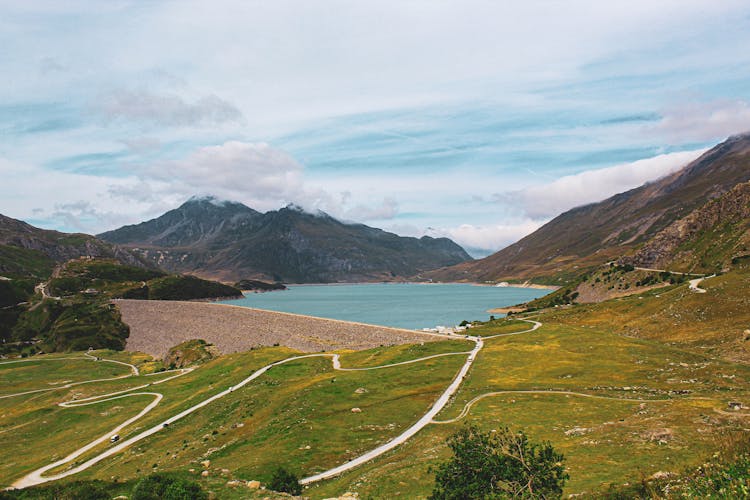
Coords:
pixel 712 235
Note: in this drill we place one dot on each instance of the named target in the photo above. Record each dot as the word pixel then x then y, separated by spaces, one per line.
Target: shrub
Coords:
pixel 160 486
pixel 498 464
pixel 285 481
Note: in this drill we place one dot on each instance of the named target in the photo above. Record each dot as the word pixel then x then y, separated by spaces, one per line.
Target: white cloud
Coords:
pixel 82 216
pixel 548 200
pixel 254 173
pixel 257 174
pixel 489 238
pixel 388 209
pixel 166 109
pixel 704 121
pixel 61 192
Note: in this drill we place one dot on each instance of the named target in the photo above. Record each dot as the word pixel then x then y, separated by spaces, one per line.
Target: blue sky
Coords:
pixel 476 120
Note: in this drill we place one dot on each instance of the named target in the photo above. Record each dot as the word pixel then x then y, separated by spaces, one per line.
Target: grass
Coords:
pixel 17 262
pixel 85 317
pixel 298 415
pixel 712 323
pixel 499 327
pixel 607 441
pixel 48 371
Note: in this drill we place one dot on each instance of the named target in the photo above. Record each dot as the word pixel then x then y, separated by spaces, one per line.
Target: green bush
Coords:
pixel 163 487
pixel 285 481
pixel 188 288
pixel 498 464
pixel 77 490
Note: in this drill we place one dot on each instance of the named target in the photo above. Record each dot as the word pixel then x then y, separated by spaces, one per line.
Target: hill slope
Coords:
pixel 231 241
pixel 588 236
pixel 27 251
pixel 705 241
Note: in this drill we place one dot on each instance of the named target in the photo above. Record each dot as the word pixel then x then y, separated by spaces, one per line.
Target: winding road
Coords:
pixel 471 403
pixel 133 368
pixel 38 477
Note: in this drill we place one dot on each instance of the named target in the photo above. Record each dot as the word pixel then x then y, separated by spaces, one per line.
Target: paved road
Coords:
pixel 422 422
pixel 37 476
pixel 697 281
pixel 471 403
pixel 133 369
pixel 666 271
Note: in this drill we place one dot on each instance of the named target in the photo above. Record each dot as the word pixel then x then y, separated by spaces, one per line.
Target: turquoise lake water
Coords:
pixel 402 305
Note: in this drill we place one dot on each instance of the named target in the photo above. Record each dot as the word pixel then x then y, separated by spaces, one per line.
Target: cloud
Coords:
pixel 704 121
pixel 548 200
pixel 141 145
pixel 82 216
pixel 483 240
pixel 62 192
pixel 49 65
pixel 388 209
pixel 166 109
pixel 255 173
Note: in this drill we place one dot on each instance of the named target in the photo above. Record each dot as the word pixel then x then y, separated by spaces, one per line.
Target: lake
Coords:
pixel 401 305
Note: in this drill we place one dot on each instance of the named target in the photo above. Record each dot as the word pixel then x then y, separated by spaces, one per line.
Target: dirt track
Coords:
pixel 155 326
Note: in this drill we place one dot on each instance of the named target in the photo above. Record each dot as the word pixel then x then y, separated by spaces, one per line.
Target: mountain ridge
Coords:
pixel 584 237
pixel 230 241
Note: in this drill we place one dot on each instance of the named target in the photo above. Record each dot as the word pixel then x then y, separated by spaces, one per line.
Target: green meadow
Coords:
pixel 620 409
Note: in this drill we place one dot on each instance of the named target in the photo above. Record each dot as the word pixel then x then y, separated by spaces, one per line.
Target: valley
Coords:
pixel 669 403
pixel 634 364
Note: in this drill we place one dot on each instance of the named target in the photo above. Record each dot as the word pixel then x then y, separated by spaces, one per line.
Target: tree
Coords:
pixel 498 464
pixel 285 481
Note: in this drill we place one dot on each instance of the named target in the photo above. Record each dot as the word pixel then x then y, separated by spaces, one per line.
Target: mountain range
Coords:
pixel 585 237
pixel 229 241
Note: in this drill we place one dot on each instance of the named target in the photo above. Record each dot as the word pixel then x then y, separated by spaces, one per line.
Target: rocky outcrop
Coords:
pixel 706 240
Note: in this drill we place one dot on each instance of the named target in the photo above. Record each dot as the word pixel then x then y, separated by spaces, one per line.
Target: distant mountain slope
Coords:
pixel 27 251
pixel 706 241
pixel 588 236
pixel 230 241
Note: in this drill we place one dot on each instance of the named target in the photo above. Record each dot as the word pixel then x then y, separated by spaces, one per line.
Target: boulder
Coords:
pixel 356 410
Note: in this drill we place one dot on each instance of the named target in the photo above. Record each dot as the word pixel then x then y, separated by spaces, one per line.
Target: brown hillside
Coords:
pixel 587 236
pixel 707 240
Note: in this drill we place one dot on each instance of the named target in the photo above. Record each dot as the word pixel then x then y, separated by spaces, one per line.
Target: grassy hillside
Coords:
pixel 713 322
pixel 17 262
pixel 70 325
pixel 79 313
pixel 632 407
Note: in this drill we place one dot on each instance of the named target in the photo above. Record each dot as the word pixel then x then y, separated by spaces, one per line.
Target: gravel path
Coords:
pixel 155 326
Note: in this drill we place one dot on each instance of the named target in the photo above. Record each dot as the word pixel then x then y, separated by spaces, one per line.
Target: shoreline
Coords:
pixel 506 310
pixel 156 326
pixel 471 283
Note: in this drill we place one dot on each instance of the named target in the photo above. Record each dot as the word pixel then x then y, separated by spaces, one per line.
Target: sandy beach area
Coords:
pixel 155 326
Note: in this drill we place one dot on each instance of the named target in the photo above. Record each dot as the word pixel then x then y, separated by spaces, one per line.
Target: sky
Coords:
pixel 476 120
